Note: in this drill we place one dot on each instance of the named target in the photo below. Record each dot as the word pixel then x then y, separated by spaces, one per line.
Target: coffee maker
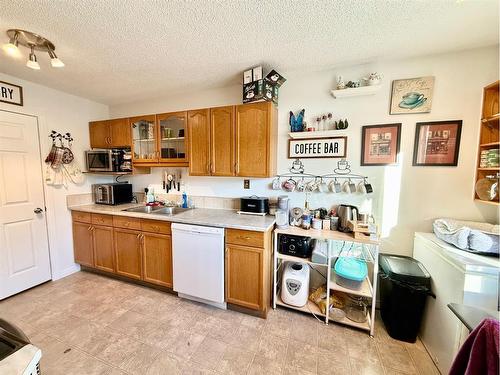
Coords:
pixel 345 213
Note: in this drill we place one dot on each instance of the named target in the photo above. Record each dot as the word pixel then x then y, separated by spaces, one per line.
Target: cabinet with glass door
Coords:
pixel 144 139
pixel 172 137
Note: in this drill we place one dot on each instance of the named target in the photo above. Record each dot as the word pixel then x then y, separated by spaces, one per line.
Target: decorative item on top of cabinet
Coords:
pixel 487 167
pixel 110 133
pixel 256 139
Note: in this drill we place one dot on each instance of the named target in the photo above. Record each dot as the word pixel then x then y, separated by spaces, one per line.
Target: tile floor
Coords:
pixel 90 324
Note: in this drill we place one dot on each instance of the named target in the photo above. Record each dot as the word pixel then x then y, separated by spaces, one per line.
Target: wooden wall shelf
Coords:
pixel 489 137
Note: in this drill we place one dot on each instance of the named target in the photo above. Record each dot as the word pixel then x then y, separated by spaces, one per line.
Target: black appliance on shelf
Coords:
pixel 297 246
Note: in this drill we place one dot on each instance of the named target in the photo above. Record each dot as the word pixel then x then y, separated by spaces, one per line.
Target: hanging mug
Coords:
pixel 301 185
pixel 276 184
pixel 349 186
pixel 289 185
pixel 364 187
pixel 312 185
pixel 335 186
pixel 323 186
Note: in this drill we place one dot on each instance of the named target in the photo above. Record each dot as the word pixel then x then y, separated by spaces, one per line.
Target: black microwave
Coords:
pixel 112 194
pixel 109 160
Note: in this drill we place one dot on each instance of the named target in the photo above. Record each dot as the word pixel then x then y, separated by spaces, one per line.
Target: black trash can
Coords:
pixel 404 286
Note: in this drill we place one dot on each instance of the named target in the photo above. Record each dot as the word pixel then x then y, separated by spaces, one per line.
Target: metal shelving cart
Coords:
pixel 366 249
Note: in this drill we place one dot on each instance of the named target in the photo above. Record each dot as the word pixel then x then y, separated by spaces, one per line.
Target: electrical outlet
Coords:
pixel 246 184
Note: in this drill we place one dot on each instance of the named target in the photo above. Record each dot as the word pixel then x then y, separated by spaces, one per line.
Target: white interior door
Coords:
pixel 24 251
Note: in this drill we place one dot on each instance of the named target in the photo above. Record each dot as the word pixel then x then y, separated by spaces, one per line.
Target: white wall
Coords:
pixel 406 198
pixel 64 113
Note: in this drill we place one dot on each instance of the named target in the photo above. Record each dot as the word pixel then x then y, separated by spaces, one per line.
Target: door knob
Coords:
pixel 38 210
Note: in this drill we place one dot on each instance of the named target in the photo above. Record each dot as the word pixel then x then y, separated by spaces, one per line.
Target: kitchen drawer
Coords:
pixel 155 226
pixel 126 222
pixel 83 217
pixel 245 237
pixel 102 219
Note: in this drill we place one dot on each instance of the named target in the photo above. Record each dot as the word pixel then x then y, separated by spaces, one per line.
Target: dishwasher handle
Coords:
pixel 195 232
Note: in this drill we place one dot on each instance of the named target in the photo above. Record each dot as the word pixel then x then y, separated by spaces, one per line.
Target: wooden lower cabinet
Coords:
pixel 157 259
pixel 244 281
pixel 128 253
pixel 103 244
pixel 83 244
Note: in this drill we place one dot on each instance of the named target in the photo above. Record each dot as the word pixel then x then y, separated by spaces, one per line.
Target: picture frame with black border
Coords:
pixel 439 136
pixel 383 144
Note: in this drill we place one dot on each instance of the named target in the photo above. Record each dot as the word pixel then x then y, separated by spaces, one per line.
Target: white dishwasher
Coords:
pixel 198 263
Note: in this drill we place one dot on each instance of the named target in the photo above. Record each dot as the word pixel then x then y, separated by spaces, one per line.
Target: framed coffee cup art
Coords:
pixel 437 143
pixel 413 95
pixel 380 144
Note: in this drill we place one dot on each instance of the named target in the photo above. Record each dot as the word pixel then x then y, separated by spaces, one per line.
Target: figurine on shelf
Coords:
pixel 353 84
pixel 296 123
pixel 373 79
pixel 341 125
pixel 340 83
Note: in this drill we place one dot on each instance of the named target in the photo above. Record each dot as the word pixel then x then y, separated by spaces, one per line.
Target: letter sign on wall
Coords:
pixel 12 94
pixel 334 147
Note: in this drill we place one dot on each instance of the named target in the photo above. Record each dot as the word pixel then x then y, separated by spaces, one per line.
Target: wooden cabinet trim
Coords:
pixel 80 216
pixel 100 219
pixel 126 222
pixel 245 237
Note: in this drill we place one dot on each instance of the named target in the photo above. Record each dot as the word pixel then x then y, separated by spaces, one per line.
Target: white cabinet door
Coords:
pixel 24 253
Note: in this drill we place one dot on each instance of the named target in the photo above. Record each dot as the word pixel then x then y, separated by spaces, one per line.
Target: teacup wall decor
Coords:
pixel 412 95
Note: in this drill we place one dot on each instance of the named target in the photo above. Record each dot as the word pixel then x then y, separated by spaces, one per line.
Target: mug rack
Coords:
pixel 343 170
pixel 311 182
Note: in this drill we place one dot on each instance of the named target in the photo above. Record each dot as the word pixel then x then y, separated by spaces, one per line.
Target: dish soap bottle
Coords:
pixel 184 200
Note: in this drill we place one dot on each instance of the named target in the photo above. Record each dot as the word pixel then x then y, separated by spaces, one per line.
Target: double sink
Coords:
pixel 158 210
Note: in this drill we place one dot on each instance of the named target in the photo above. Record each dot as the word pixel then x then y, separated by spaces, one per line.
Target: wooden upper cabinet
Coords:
pixel 172 137
pixel 157 259
pixel 110 133
pixel 222 139
pixel 100 134
pixel 104 257
pixel 127 244
pixel 144 139
pixel 256 140
pixel 83 244
pixel 199 142
pixel 120 132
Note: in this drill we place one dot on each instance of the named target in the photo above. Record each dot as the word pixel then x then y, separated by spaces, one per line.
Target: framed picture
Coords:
pixel 380 144
pixel 333 147
pixel 413 95
pixel 437 143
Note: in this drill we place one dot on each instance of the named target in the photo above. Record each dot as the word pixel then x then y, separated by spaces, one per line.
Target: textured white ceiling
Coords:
pixel 119 50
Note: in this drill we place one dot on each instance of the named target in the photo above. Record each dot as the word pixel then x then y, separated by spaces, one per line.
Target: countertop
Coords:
pixel 198 216
pixel 470 316
pixel 466 261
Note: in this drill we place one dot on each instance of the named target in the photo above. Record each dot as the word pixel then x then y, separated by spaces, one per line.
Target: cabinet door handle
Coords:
pixel 139 236
pixel 212 167
pixel 237 168
pixel 89 228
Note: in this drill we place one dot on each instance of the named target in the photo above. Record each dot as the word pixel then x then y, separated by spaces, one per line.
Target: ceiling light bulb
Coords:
pixel 54 60
pixel 11 47
pixel 32 63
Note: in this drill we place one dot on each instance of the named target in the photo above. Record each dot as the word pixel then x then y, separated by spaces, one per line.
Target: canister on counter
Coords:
pixel 316 223
pixel 334 223
pixel 306 221
pixel 326 223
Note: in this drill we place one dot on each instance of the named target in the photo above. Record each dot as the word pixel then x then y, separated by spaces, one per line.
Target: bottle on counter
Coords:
pixel 184 200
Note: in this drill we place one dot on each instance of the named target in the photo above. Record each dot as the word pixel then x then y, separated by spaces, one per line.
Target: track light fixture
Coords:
pixel 34 42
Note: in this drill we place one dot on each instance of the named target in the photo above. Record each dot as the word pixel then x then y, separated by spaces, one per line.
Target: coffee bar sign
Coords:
pixel 12 94
pixel 334 147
